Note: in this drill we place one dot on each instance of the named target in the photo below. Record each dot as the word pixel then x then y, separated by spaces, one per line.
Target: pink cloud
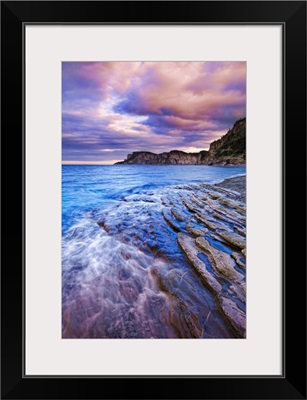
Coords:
pixel 155 106
pixel 186 90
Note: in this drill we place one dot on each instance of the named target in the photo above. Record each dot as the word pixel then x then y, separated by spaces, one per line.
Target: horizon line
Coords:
pixel 88 162
pixel 112 162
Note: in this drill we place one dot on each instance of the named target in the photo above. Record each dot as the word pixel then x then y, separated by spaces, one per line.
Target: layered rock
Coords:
pixel 173 157
pixel 208 224
pixel 166 262
pixel 230 149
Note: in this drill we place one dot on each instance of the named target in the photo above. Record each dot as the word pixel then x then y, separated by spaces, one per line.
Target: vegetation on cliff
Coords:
pixel 230 149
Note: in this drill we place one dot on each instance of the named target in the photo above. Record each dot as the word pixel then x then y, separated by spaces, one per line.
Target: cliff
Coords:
pixel 230 149
pixel 173 157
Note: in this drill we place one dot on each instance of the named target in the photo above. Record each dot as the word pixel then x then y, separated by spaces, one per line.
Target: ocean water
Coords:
pixel 123 274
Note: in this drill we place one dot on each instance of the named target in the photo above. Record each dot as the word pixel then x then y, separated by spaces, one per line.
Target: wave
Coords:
pixel 125 276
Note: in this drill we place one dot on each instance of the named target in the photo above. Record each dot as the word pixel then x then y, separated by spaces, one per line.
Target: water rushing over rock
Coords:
pixel 165 263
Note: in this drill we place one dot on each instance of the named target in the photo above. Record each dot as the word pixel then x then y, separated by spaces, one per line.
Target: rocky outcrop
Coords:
pixel 167 262
pixel 230 149
pixel 206 242
pixel 173 157
pixel 190 249
pixel 235 316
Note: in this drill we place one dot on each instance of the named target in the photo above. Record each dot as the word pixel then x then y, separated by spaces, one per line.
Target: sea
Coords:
pixel 116 245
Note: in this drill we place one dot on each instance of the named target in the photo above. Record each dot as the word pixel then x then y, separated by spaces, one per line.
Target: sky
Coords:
pixel 110 109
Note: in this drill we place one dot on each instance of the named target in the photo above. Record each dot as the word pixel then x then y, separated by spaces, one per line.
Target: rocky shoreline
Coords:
pixel 230 149
pixel 237 184
pixel 209 227
pixel 168 263
pixel 221 215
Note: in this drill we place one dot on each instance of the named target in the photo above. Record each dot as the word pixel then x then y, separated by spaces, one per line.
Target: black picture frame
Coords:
pixel 292 16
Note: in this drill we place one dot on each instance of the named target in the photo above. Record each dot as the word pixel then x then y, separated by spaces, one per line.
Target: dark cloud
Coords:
pixel 111 109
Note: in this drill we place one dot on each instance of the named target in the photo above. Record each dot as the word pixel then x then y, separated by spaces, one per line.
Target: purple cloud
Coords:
pixel 111 109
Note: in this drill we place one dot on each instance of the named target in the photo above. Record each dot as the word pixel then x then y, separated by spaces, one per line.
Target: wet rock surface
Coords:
pixel 237 185
pixel 230 149
pixel 166 263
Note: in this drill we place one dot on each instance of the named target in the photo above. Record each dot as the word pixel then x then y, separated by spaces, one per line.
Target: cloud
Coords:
pixel 111 109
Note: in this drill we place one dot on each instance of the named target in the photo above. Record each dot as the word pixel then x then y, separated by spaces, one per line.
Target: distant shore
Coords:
pixel 237 184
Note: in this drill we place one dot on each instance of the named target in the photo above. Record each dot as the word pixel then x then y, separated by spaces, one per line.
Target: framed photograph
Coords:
pixel 160 152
